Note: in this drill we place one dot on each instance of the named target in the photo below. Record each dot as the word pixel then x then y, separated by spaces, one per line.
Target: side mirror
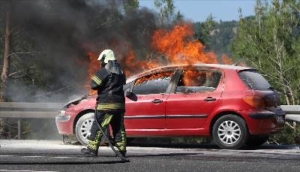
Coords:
pixel 128 93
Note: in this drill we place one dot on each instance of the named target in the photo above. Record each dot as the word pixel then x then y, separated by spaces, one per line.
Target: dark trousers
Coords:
pixel 116 121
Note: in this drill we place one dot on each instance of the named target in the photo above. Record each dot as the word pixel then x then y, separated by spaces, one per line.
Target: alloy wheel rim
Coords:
pixel 85 128
pixel 229 132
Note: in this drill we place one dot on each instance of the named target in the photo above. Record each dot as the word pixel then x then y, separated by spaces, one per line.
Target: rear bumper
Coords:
pixel 265 122
pixel 266 114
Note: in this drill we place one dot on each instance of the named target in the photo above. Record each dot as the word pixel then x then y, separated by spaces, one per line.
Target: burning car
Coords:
pixel 234 105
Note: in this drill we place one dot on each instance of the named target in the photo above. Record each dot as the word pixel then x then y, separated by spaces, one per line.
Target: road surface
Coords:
pixel 43 155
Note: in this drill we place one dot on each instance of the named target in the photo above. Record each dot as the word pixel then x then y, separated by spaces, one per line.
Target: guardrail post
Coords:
pixel 19 128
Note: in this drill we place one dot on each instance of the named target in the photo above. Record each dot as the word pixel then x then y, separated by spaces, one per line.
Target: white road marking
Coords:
pixel 30 156
pixel 25 170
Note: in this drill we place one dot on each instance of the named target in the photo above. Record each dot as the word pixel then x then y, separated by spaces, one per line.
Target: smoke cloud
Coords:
pixel 64 32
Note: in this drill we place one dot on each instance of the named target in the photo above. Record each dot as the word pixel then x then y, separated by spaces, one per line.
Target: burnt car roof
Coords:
pixel 174 67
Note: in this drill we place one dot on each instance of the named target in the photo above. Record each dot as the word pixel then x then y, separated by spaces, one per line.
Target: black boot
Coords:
pixel 123 153
pixel 89 152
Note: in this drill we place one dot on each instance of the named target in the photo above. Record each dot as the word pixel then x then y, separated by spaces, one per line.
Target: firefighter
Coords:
pixel 110 104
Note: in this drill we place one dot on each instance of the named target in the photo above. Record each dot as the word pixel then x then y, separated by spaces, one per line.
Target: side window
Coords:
pixel 152 84
pixel 194 80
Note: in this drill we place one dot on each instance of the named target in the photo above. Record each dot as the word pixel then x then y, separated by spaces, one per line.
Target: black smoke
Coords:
pixel 62 33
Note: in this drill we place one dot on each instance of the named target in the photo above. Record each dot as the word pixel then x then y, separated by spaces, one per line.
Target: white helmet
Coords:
pixel 107 55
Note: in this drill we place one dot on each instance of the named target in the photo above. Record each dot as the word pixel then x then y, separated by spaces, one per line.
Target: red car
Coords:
pixel 234 105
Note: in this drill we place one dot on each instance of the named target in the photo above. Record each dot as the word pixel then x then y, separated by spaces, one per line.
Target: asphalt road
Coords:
pixel 33 155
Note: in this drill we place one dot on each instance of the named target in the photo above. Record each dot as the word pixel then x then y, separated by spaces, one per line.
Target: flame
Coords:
pixel 179 47
pixel 226 59
pixel 133 66
pixel 192 77
pixel 154 76
pixel 173 46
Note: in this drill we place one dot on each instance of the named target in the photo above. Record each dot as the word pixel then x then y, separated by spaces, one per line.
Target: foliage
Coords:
pixel 222 36
pixel 216 36
pixel 131 4
pixel 289 135
pixel 1 47
pixel 270 43
pixel 203 31
pixel 166 9
pixel 167 12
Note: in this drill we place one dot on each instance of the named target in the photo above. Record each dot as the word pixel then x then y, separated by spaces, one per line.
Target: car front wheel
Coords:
pixel 83 126
pixel 230 132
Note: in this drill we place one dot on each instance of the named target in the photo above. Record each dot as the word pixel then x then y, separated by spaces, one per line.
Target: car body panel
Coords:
pixel 192 109
pixel 147 112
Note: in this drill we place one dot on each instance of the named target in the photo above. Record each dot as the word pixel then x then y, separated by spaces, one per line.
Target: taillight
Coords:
pixel 255 101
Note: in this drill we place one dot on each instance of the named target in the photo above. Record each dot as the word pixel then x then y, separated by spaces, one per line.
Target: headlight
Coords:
pixel 62 116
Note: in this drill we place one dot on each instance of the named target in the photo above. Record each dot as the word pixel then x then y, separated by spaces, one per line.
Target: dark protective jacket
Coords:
pixel 108 82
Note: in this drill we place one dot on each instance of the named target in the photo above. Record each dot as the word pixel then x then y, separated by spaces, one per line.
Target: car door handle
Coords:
pixel 157 101
pixel 209 99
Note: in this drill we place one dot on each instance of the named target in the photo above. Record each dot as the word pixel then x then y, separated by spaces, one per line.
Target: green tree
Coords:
pixel 6 52
pixel 216 36
pixel 167 12
pixel 222 36
pixel 204 30
pixel 270 42
pixel 131 4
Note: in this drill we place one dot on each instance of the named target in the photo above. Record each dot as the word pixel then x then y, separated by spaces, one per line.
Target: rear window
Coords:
pixel 254 80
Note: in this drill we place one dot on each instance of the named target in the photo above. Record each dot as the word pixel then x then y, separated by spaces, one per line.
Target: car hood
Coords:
pixel 78 100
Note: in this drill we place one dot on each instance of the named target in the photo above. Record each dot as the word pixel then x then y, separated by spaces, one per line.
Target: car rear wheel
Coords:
pixel 230 132
pixel 83 126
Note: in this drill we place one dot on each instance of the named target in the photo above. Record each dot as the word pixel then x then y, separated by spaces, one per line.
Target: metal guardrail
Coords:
pixel 292 112
pixel 29 110
pixel 50 110
pixel 21 110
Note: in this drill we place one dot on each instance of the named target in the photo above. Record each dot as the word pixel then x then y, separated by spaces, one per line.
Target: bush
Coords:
pixel 289 135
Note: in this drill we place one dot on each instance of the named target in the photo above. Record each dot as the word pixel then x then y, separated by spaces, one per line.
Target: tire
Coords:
pixel 230 132
pixel 83 126
pixel 256 141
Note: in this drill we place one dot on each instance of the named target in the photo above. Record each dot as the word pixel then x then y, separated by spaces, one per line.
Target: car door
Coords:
pixel 194 98
pixel 146 108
